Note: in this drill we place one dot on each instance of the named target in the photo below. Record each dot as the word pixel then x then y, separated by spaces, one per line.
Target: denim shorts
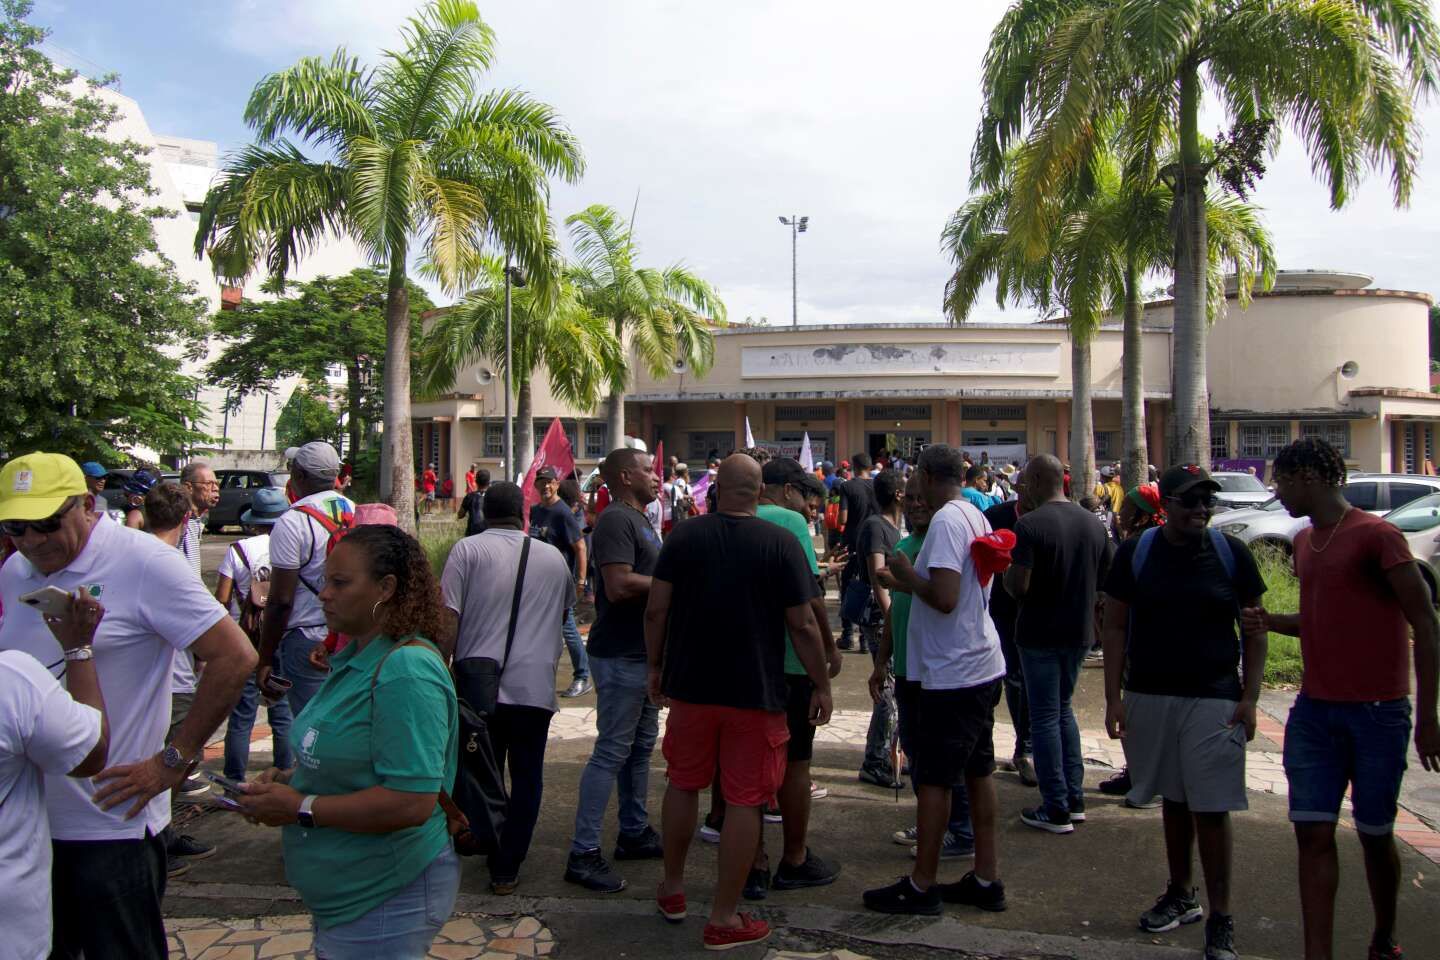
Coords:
pixel 402 927
pixel 1331 745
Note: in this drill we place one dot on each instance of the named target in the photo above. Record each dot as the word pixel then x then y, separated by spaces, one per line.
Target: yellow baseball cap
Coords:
pixel 36 485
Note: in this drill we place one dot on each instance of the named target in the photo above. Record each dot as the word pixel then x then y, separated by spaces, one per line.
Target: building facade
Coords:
pixel 1322 354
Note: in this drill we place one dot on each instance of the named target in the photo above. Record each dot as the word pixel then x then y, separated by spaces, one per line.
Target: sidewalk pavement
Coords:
pixel 1073 896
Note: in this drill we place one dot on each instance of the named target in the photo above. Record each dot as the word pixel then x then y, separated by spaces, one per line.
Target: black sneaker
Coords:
pixel 814 872
pixel 175 867
pixel 184 845
pixel 880 778
pixel 193 787
pixel 1077 811
pixel 1172 908
pixel 845 643
pixel 902 897
pixel 757 884
pixel 1220 938
pixel 952 848
pixel 1117 785
pixel 590 871
pixel 642 846
pixel 1043 818
pixel 1025 768
pixel 969 891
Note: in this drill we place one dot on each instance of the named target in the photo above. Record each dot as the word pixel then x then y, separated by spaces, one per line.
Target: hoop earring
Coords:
pixel 375 611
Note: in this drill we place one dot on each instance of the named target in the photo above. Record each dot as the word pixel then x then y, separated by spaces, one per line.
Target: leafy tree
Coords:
pixel 1435 337
pixel 666 314
pixel 307 415
pixel 326 321
pixel 95 323
pixel 408 159
pixel 1342 74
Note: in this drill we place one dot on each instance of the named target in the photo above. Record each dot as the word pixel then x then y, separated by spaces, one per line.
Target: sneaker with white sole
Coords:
pixel 709 834
pixel 818 792
pixel 906 837
pixel 1042 818
pixel 952 849
pixel 1172 908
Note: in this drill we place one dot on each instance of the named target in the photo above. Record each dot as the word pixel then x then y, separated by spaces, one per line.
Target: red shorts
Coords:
pixel 747 745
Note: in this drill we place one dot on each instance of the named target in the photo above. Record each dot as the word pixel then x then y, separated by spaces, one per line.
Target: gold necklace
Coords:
pixel 1338 524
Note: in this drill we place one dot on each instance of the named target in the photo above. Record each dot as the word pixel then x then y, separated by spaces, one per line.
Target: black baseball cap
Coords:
pixel 546 473
pixel 1178 481
pixel 783 470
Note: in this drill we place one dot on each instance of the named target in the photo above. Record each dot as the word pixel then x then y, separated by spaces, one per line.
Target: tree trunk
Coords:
pixel 352 401
pixel 615 405
pixel 1188 437
pixel 1082 423
pixel 1132 405
pixel 399 444
pixel 524 428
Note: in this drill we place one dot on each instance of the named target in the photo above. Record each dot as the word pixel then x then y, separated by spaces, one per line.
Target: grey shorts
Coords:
pixel 1184 749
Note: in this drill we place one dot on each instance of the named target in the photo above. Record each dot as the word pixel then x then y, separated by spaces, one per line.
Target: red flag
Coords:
pixel 660 460
pixel 554 452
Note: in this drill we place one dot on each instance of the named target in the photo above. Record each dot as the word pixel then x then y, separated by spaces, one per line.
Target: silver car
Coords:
pixel 1240 491
pixel 1269 525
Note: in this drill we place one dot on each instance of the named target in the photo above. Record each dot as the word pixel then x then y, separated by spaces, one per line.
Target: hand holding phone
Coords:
pixel 71 617
pixel 50 601
pixel 232 787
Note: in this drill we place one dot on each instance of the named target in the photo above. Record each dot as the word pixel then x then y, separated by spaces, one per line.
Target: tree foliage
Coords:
pixel 311 328
pixel 307 415
pixel 94 321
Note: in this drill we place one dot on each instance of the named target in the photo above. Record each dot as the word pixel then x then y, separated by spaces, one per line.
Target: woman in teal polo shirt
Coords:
pixel 366 843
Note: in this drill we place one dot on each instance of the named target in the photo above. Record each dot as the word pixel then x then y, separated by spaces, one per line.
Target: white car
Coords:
pixel 1269 525
pixel 1419 520
pixel 1239 491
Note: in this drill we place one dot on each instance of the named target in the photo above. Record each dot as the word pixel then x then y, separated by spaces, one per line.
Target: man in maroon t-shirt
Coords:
pixel 1361 594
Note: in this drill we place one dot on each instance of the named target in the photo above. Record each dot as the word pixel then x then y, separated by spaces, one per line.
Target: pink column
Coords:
pixel 952 422
pixel 739 424
pixel 1062 430
pixel 1155 442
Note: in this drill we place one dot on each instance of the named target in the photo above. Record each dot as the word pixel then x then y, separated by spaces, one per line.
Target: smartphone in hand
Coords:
pixel 233 787
pixel 50 601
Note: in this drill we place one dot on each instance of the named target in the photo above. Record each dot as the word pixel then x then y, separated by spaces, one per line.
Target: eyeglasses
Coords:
pixel 17 528
pixel 205 483
pixel 1192 501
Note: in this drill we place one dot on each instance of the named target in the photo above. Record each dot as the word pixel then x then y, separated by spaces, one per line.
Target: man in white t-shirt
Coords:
pixel 954 653
pixel 109 862
pixel 478 587
pixel 43 729
pixel 245 563
pixel 294 622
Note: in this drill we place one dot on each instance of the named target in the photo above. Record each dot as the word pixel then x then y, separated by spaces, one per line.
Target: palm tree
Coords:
pixel 666 314
pixel 409 160
pixel 1343 74
pixel 551 330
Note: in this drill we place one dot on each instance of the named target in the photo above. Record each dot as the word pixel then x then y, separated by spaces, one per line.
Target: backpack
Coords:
pixel 338 519
pixel 1223 553
pixel 252 604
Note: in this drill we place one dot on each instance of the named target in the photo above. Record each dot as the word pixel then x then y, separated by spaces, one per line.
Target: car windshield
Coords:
pixel 279 479
pixel 1418 515
pixel 1272 504
pixel 1239 483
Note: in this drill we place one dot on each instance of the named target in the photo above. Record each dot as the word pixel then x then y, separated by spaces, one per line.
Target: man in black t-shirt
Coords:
pixel 857 502
pixel 553 522
pixel 472 508
pixel 726 588
pixel 1003 611
pixel 1173 600
pixel 625 549
pixel 1059 562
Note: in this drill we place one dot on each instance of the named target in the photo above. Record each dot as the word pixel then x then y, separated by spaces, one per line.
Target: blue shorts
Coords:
pixel 1331 745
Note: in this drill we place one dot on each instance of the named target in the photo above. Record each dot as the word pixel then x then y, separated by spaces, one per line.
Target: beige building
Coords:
pixel 1321 354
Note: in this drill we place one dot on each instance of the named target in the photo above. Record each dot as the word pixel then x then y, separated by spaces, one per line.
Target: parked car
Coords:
pixel 1239 491
pixel 1419 520
pixel 1269 525
pixel 114 490
pixel 236 488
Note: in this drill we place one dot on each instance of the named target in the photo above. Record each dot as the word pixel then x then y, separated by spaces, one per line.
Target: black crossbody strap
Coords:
pixel 515 601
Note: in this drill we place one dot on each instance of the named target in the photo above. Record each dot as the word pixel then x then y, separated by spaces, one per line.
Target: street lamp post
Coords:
pixel 513 275
pixel 797 226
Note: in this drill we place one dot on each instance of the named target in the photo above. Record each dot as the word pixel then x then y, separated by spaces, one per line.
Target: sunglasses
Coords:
pixel 17 528
pixel 1191 501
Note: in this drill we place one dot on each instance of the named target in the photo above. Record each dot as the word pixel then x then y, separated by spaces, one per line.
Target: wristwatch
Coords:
pixel 86 652
pixel 304 816
pixel 172 758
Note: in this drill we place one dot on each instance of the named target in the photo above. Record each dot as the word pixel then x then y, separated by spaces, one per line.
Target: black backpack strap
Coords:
pixel 515 601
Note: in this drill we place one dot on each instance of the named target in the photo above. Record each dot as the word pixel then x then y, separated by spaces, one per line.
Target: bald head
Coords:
pixel 737 484
pixel 1044 478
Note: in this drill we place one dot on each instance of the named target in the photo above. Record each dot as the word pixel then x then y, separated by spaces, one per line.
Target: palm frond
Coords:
pixel 429 80
pixel 325 103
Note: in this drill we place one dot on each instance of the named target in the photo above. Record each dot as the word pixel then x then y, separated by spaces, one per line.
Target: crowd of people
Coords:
pixel 962 581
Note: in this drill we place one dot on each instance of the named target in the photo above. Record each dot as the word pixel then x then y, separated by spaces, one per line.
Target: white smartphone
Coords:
pixel 50 601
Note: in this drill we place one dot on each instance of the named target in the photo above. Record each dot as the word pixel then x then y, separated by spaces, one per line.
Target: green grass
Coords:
pixel 437 539
pixel 1282 595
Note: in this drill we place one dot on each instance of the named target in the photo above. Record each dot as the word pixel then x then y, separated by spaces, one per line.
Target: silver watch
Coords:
pixel 86 652
pixel 172 758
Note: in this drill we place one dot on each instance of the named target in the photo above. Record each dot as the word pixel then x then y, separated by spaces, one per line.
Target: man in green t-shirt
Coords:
pixel 783 502
pixel 960 835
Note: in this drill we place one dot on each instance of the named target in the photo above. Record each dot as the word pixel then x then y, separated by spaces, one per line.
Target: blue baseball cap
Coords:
pixel 93 469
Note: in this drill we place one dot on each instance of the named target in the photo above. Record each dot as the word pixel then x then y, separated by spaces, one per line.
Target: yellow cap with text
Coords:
pixel 37 485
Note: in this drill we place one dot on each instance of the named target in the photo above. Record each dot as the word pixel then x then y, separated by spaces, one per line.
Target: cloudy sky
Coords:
pixel 723 117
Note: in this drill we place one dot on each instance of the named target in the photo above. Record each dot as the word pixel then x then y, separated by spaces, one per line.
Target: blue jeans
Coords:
pixel 579 659
pixel 242 722
pixel 402 927
pixel 1050 676
pixel 627 725
pixel 1331 745
pixel 293 663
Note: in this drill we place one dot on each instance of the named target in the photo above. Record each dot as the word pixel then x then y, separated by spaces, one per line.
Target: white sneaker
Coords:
pixel 906 837
pixel 818 792
pixel 709 834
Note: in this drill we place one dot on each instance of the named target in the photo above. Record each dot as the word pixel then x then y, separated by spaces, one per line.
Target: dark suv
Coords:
pixel 236 488
pixel 114 492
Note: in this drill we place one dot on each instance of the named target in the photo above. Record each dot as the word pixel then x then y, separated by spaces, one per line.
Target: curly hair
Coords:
pixel 1315 457
pixel 390 551
pixel 759 454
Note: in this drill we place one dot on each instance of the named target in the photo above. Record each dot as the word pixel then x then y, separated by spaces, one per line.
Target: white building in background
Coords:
pixel 181 171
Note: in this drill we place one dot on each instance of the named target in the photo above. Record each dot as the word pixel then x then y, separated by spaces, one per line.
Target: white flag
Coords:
pixel 749 437
pixel 807 459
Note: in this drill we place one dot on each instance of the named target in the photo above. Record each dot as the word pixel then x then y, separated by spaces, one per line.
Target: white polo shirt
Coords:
pixel 947 651
pixel 154 605
pixel 297 542
pixel 42 731
pixel 257 554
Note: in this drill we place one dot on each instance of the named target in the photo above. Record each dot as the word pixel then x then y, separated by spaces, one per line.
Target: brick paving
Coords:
pixel 288 937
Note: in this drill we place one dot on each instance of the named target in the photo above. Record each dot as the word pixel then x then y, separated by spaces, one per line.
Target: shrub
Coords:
pixel 1282 595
